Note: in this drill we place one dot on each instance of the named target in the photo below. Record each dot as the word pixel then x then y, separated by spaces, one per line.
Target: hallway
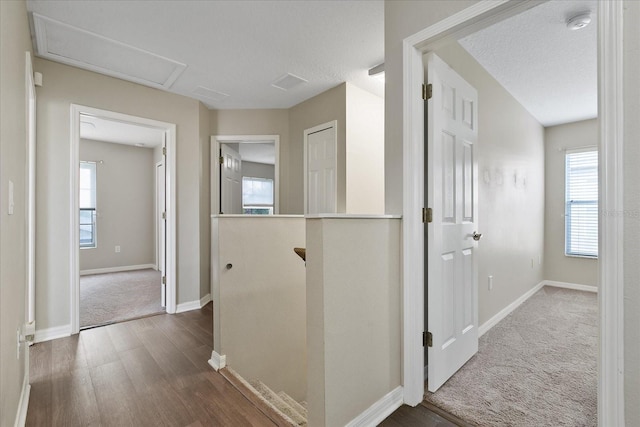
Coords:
pixel 147 372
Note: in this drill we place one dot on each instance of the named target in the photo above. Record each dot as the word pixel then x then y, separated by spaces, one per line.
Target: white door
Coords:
pixel 452 294
pixel 230 181
pixel 161 226
pixel 321 191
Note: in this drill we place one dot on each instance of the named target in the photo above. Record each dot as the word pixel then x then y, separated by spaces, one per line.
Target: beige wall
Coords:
pixel 258 170
pixel 403 18
pixel 323 108
pixel 260 122
pixel 125 180
pixel 510 156
pixel 261 326
pixel 631 218
pixel 353 316
pixel 204 170
pixel 64 85
pixel 15 41
pixel 557 266
pixel 365 152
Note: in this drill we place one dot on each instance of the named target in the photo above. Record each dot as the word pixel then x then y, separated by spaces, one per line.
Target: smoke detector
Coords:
pixel 579 21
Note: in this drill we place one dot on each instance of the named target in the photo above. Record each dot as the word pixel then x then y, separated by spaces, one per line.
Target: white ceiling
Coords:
pixel 225 53
pixel 549 69
pixel 257 152
pixel 99 129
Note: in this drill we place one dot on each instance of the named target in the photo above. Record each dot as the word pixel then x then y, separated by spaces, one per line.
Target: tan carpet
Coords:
pixel 114 297
pixel 537 367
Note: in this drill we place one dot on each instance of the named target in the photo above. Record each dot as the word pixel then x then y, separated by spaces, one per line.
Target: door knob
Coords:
pixel 476 236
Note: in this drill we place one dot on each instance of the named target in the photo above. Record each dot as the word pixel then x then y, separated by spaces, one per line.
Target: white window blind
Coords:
pixel 581 197
pixel 257 195
pixel 87 204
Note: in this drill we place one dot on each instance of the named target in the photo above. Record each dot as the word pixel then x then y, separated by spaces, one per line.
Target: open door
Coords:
pixel 230 181
pixel 452 238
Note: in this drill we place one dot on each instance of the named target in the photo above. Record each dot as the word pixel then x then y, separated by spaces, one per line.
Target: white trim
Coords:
pixel 305 137
pixel 171 236
pixel 52 333
pixel 612 236
pixel 610 98
pixel 508 309
pixel 30 180
pixel 574 286
pixel 193 305
pixel 243 139
pixel 350 216
pixel 380 410
pixel 217 361
pixel 23 403
pixel 117 269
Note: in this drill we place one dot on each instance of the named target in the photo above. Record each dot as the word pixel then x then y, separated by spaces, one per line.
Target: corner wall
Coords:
pixel 14 370
pixel 557 266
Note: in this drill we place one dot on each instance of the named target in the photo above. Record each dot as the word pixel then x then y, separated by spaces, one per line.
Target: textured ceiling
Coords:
pixel 549 69
pixel 99 129
pixel 233 50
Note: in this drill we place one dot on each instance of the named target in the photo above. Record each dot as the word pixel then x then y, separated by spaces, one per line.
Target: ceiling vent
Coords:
pixel 209 93
pixel 73 46
pixel 288 81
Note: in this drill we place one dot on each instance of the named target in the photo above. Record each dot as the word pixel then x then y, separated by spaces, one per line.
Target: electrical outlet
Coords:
pixel 118 249
pixel 490 282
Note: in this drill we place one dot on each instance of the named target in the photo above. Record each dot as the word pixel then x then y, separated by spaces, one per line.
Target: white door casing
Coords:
pixel 31 191
pixel 320 145
pixel 230 181
pixel 161 227
pixel 452 268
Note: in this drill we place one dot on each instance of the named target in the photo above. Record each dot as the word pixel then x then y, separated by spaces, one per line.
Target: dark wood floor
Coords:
pixel 146 372
pixel 152 372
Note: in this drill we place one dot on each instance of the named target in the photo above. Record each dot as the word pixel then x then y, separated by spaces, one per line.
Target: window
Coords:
pixel 257 196
pixel 581 197
pixel 87 204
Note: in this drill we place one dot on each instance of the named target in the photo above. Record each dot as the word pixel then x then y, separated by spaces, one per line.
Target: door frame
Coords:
pixel 610 107
pixel 216 140
pixel 31 191
pixel 170 195
pixel 324 126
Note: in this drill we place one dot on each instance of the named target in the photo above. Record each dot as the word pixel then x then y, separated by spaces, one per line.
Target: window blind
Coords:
pixel 581 197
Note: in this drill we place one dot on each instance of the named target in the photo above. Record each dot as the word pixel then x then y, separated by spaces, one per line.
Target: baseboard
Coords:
pixel 508 309
pixel 379 410
pixel 52 333
pixel 575 286
pixel 23 404
pixel 217 361
pixel 205 300
pixel 193 305
pixel 117 269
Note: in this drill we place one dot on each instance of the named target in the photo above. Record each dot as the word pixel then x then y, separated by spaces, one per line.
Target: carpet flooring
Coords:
pixel 537 367
pixel 115 297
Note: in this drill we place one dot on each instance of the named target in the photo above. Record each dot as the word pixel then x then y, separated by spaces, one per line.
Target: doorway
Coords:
pixel 123 251
pixel 245 172
pixel 610 302
pixel 321 169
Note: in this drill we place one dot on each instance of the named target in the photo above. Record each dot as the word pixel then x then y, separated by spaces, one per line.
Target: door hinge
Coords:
pixel 164 280
pixel 427 339
pixel 427 215
pixel 164 151
pixel 427 91
pixel 164 215
pixel 221 160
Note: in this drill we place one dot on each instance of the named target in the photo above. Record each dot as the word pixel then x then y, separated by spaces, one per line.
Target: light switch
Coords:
pixel 11 203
